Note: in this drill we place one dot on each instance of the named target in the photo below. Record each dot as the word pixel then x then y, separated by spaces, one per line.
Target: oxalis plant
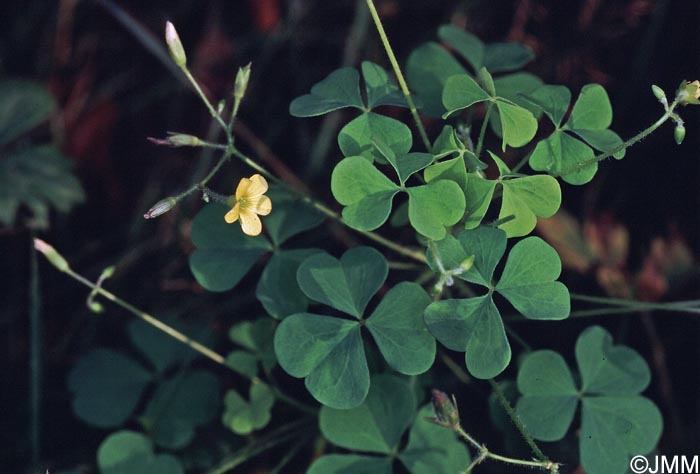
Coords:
pixel 366 349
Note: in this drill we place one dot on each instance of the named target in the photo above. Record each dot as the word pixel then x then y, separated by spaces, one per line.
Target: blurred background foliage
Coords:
pixel 633 229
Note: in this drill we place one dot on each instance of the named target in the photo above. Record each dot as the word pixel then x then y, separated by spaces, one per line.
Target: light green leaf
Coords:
pixel 128 452
pixel 245 416
pixel 453 169
pixel 434 206
pixel 278 290
pixel 560 152
pixel 359 136
pixel 609 369
pixel 290 216
pixel 25 105
pixel 552 100
pixel 329 353
pixel 433 449
pixel 106 387
pixel 528 281
pixel 224 254
pixel 378 423
pixel 398 329
pixel 602 140
pixel 338 90
pixel 446 143
pixel 365 191
pixel 546 409
pixel 450 252
pixel 461 91
pixel 404 165
pixel 613 429
pixel 528 198
pixel 488 245
pixel 428 68
pixel 346 284
pixel 256 336
pixel 464 43
pixel 243 362
pixel 381 89
pixel 350 464
pixel 478 198
pixel 518 124
pixel 472 325
pixel 592 110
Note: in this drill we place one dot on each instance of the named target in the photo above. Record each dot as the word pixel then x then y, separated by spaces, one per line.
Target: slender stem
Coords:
pixel 204 98
pixel 399 74
pixel 516 421
pixel 224 158
pixel 455 368
pixel 482 133
pixel 289 455
pixel 34 358
pixel 641 135
pixel 681 306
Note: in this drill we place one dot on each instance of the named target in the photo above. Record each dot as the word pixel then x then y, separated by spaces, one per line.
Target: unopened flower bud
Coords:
pixel 177 140
pixel 679 133
pixel 658 92
pixel 160 208
pixel 445 409
pixel 177 52
pixel 54 258
pixel 241 83
pixel 467 263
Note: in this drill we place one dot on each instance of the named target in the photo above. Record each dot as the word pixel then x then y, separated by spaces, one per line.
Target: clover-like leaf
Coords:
pixel 179 405
pixel 278 290
pixel 448 144
pixel 245 416
pixel 290 216
pixel 359 136
pixel 432 449
pixel 472 325
pixel 616 422
pixel 328 352
pixel 487 244
pixel 364 191
pixel 478 197
pixel 528 198
pixel 404 165
pixel 517 123
pixel 453 169
pixel 243 362
pixel 339 89
pixel 435 206
pixel 129 452
pixel 563 154
pixel 398 329
pixel 528 281
pixel 462 91
pixel 378 423
pixel 107 386
pixel 350 463
pixel 257 337
pixel 346 284
pixel 428 68
pixel 224 254
pixel 380 87
pixel 24 106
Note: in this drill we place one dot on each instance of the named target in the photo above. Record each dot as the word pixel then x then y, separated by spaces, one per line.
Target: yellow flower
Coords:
pixel 249 203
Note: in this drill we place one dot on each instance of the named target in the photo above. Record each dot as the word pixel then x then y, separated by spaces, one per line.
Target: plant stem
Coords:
pixel 34 358
pixel 680 306
pixel 204 98
pixel 224 158
pixel 641 135
pixel 516 421
pixel 484 126
pixel 399 74
pixel 455 368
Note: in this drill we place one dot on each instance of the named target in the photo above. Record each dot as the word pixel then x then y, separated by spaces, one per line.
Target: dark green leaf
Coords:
pixel 428 68
pixel 24 106
pixel 245 416
pixel 552 100
pixel 435 206
pixel 128 452
pixel 290 216
pixel 499 57
pixel 488 245
pixel 461 91
pixel 339 89
pixel 562 152
pixel 106 387
pixel 350 464
pixel 478 198
pixel 381 89
pixel 224 254
pixel 465 44
pixel 359 136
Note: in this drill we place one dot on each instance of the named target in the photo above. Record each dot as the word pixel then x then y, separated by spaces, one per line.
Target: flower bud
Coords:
pixel 54 258
pixel 658 92
pixel 177 52
pixel 160 208
pixel 679 133
pixel 241 84
pixel 445 409
pixel 467 263
pixel 177 140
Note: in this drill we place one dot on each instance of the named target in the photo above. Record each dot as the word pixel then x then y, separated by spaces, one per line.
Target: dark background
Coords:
pixel 113 92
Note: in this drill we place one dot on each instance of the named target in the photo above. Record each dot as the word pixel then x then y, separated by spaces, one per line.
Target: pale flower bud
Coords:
pixel 175 45
pixel 54 258
pixel 241 83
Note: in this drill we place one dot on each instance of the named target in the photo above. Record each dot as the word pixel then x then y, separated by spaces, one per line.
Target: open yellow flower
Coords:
pixel 250 202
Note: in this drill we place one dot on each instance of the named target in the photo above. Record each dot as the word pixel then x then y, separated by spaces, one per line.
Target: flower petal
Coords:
pixel 250 223
pixel 260 205
pixel 232 215
pixel 242 188
pixel 258 186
